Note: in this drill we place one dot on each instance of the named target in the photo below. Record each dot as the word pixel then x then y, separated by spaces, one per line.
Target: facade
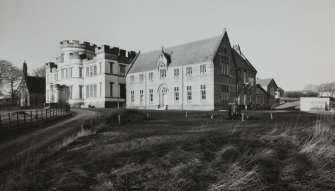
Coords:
pixel 317 103
pixel 202 75
pixel 270 86
pixel 85 75
pixel 262 98
pixel 31 90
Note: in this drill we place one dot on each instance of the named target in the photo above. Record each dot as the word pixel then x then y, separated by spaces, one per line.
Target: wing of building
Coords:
pixel 271 88
pixel 85 75
pixel 207 74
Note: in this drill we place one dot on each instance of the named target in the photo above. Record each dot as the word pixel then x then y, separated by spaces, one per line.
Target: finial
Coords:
pixel 224 29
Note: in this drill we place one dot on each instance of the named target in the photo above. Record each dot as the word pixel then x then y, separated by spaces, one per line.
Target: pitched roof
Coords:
pixel 184 54
pixel 259 87
pixel 241 61
pixel 265 82
pixel 35 85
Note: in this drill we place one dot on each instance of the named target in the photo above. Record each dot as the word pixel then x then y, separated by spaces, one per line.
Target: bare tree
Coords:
pixel 11 77
pixel 311 88
pixel 4 65
pixel 40 71
pixel 328 89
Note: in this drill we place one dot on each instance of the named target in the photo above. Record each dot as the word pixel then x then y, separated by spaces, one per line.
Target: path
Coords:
pixel 41 138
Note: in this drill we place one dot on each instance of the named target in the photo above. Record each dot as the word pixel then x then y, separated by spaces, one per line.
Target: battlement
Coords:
pixel 120 53
pixel 77 44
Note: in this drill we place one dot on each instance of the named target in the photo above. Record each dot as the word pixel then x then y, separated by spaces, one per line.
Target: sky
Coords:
pixel 291 41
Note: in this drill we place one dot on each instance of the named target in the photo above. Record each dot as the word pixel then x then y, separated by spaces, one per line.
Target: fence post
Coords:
pixel 119 118
pixel 1 131
pixel 242 117
pixel 36 113
pixel 271 116
pixel 31 118
pixel 17 119
pixel 186 114
pixel 24 119
pixel 10 124
pixel 41 114
pixel 46 114
pixel 53 113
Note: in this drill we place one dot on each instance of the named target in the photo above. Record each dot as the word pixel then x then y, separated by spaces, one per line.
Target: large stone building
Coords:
pixel 85 75
pixel 202 75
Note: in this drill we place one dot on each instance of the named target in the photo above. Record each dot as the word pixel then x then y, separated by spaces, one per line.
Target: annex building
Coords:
pixel 207 74
pixel 85 75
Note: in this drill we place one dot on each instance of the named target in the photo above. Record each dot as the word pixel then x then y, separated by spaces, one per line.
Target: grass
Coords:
pixel 167 151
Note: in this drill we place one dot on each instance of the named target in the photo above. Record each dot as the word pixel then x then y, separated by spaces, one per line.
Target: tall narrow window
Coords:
pixel 151 95
pixel 132 98
pixel 176 94
pixel 163 73
pixel 176 72
pixel 189 93
pixel 70 92
pixel 87 71
pixel 91 71
pixel 122 70
pixel 141 78
pixel 141 96
pixel 81 92
pixel 111 65
pixel 225 92
pixel 100 89
pixel 111 88
pixel 151 76
pixel 100 68
pixel 225 65
pixel 202 69
pixel 87 91
pixel 95 70
pixel 189 71
pixel 203 91
pixel 80 72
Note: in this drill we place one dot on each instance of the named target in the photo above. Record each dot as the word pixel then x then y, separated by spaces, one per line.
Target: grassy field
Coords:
pixel 293 151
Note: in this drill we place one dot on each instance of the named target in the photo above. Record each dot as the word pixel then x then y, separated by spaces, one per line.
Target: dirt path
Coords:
pixel 41 138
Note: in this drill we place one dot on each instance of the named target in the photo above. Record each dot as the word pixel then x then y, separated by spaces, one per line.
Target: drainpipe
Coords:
pixel 182 87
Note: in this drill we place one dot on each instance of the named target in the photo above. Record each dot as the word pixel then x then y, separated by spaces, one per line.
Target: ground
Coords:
pixel 206 151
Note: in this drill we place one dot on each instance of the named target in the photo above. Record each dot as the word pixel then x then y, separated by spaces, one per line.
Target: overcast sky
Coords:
pixel 289 40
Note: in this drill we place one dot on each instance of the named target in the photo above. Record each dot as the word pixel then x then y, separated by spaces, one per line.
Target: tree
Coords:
pixel 311 88
pixel 293 94
pixel 10 78
pixel 328 89
pixel 40 71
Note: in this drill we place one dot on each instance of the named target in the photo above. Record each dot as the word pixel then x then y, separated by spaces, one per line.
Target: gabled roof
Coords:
pixel 189 53
pixel 265 82
pixel 259 87
pixel 241 61
pixel 35 85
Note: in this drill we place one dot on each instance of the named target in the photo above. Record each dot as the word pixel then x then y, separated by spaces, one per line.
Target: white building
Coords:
pixel 202 75
pixel 88 76
pixel 316 103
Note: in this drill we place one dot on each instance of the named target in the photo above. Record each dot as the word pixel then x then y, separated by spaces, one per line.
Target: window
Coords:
pixel 176 94
pixel 111 67
pixel 62 73
pixel 176 72
pixel 87 91
pixel 100 68
pixel 189 93
pixel 122 70
pixel 189 71
pixel 81 92
pixel 203 91
pixel 151 95
pixel 141 78
pixel 163 73
pixel 132 79
pixel 80 72
pixel 141 96
pixel 70 92
pixel 93 90
pixel 132 96
pixel 245 77
pixel 202 69
pixel 87 71
pixel 95 70
pixel 123 91
pixel 225 65
pixel 225 92
pixel 91 71
pixel 111 87
pixel 100 89
pixel 151 76
pixel 68 73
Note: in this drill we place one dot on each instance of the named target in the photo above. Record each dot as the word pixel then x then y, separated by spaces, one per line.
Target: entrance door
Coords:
pixel 163 97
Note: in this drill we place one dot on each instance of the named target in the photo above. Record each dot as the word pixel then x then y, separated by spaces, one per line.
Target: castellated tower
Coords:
pixel 85 75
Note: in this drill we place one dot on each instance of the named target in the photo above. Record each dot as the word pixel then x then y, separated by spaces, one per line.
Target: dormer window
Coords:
pixel 163 73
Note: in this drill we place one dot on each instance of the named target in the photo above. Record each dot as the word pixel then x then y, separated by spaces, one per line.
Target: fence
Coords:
pixel 13 121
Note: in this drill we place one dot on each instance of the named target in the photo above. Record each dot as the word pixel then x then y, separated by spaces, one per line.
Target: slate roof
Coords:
pixel 35 85
pixel 184 54
pixel 241 61
pixel 259 87
pixel 265 82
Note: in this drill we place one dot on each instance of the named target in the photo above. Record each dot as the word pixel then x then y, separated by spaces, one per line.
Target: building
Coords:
pixel 317 103
pixel 279 93
pixel 207 74
pixel 31 91
pixel 262 98
pixel 85 75
pixel 270 86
